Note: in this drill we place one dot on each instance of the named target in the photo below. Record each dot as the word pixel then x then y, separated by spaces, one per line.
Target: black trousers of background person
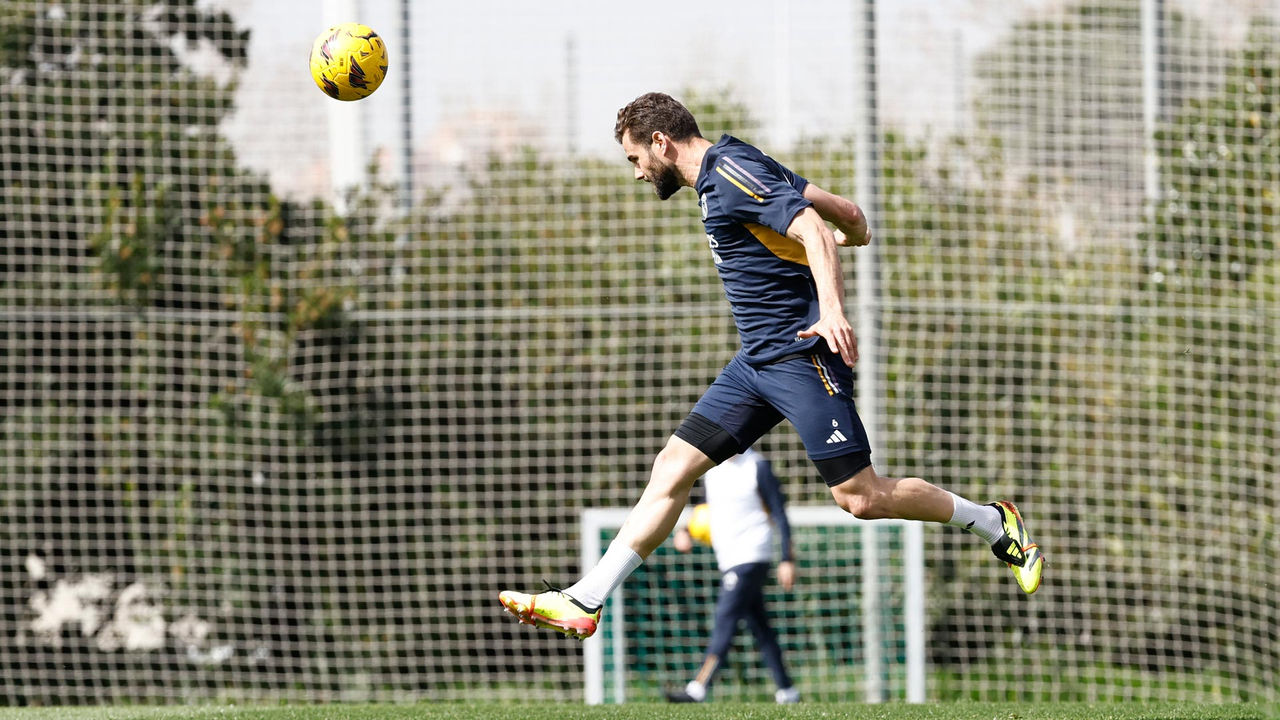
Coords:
pixel 742 599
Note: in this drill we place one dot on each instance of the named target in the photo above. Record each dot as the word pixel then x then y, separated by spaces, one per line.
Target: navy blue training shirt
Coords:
pixel 748 200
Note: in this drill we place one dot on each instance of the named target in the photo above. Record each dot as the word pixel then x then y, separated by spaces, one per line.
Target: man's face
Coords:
pixel 651 166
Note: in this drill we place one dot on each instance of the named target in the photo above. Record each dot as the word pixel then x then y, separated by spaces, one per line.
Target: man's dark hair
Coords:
pixel 655 112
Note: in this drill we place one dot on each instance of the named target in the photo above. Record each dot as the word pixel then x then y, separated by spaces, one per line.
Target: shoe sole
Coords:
pixel 564 627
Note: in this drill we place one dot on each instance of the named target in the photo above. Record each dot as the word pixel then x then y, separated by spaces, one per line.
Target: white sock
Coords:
pixel 696 690
pixel 618 562
pixel 981 520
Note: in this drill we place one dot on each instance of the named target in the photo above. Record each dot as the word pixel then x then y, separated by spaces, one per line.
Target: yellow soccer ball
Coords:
pixel 700 524
pixel 348 61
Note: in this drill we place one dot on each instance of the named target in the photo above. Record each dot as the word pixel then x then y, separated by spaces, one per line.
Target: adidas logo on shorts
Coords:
pixel 836 437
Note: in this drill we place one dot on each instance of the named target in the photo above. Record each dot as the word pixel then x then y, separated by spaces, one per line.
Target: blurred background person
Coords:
pixel 744 505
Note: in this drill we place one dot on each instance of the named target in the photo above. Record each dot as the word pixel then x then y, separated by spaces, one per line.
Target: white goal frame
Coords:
pixel 593 520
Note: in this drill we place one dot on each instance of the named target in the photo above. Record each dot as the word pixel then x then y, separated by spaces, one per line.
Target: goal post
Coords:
pixel 853 628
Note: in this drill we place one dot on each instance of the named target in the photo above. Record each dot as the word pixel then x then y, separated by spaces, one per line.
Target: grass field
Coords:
pixel 644 711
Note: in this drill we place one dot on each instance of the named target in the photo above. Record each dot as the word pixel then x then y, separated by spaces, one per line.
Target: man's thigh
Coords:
pixel 733 406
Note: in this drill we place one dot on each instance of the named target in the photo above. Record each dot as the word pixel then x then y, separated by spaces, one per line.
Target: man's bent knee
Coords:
pixel 861 495
pixel 859 506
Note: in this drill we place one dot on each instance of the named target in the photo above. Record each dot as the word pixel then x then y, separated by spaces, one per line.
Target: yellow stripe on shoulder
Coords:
pixel 780 245
pixel 739 185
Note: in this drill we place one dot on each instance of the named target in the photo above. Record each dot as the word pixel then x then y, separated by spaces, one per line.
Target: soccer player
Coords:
pixel 778 261
pixel 745 503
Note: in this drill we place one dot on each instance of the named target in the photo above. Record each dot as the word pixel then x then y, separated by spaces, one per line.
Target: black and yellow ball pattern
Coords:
pixel 349 61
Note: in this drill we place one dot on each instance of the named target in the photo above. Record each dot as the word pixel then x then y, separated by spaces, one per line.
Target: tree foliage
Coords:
pixel 1062 95
pixel 1217 224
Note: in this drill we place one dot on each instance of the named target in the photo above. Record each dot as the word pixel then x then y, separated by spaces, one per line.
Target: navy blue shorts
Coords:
pixel 813 391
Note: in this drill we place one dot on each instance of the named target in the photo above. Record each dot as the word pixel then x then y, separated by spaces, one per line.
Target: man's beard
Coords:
pixel 666 182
